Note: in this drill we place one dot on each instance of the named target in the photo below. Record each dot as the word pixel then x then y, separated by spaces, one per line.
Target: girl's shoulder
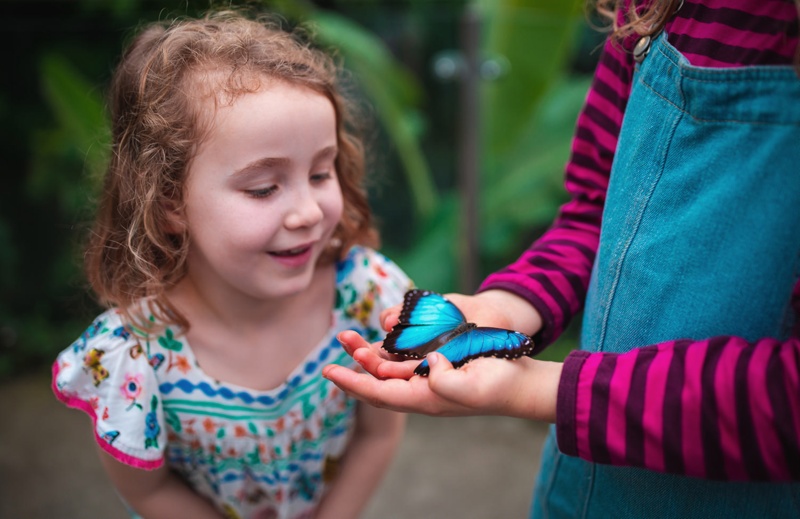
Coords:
pixel 108 332
pixel 364 268
pixel 107 373
pixel 367 282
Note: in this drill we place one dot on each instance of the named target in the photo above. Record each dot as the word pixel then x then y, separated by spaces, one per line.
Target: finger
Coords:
pixel 347 380
pixel 351 341
pixel 378 366
pixel 390 317
pixel 407 396
pixel 393 394
pixel 398 369
pixel 369 360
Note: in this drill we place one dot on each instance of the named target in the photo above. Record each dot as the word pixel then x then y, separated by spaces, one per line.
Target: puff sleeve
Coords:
pixel 368 283
pixel 107 374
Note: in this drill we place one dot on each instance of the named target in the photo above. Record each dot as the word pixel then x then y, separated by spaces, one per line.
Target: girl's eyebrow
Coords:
pixel 275 162
pixel 329 151
pixel 260 164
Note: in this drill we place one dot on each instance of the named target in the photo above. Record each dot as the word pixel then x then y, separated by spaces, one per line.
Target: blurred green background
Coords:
pixel 535 58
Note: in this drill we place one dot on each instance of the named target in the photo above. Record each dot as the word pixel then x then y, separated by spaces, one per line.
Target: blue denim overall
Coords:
pixel 700 238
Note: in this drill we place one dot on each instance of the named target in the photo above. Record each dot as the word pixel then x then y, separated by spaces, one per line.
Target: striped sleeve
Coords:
pixel 553 274
pixel 720 33
pixel 720 409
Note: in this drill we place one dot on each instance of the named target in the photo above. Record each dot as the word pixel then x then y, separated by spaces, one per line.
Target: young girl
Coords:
pixel 230 246
pixel 688 148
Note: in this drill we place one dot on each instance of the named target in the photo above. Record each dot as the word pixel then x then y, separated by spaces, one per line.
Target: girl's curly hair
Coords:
pixel 134 254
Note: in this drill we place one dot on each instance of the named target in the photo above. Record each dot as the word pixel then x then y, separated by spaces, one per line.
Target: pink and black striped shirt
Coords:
pixel 721 408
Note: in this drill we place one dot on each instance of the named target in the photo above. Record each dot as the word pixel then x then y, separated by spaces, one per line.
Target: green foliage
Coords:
pixel 536 36
pixel 527 187
pixel 55 139
pixel 392 91
pixel 80 135
pixel 528 118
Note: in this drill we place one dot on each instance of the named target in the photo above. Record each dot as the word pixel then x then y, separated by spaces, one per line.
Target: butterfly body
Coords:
pixel 429 322
pixel 421 349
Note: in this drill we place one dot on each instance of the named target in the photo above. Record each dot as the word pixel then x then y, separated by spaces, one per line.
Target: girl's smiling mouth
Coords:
pixel 291 252
pixel 295 257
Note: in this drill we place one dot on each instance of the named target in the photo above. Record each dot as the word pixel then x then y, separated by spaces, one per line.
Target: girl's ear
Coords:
pixel 175 216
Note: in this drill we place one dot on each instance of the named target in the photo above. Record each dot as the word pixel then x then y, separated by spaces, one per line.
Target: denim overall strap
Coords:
pixel 700 238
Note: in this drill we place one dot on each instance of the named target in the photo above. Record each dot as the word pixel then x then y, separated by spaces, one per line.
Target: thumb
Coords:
pixel 443 378
pixel 438 363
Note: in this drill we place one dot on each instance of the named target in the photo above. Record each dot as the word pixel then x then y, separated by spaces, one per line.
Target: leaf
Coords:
pixel 535 37
pixel 534 169
pixel 169 342
pixel 393 92
pixel 172 419
pixel 78 108
pixel 431 262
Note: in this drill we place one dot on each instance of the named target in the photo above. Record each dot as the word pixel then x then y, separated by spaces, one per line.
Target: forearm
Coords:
pixel 366 461
pixel 718 409
pixel 553 274
pixel 174 499
pixel 517 313
pixel 157 494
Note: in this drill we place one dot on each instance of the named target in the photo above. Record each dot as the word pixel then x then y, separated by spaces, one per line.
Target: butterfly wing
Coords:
pixel 427 321
pixel 482 342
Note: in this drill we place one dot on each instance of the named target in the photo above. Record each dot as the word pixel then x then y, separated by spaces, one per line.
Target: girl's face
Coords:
pixel 262 198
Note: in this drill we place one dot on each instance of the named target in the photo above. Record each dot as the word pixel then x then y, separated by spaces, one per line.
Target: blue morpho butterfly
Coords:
pixel 429 322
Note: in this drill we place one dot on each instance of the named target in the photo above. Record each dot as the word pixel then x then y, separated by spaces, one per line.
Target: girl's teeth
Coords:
pixel 290 252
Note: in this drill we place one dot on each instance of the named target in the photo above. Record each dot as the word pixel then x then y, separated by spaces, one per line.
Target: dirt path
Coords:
pixel 446 467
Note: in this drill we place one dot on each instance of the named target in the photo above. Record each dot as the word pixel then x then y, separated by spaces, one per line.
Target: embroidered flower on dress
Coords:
pixel 180 362
pixel 151 427
pixel 131 389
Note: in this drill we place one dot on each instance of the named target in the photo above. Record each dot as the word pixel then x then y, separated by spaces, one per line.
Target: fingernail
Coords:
pixel 433 358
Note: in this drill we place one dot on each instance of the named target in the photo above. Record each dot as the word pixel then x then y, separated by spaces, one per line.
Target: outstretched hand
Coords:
pixel 523 388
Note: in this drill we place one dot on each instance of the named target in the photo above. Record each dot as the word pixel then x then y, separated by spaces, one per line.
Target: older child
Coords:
pixel 230 246
pixel 687 150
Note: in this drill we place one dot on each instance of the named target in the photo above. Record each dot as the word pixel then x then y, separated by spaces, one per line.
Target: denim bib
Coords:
pixel 700 238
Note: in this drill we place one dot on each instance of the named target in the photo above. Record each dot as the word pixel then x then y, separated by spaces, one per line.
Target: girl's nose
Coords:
pixel 305 212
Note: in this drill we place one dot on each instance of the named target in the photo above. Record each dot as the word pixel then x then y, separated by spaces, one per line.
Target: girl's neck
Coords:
pixel 200 303
pixel 257 344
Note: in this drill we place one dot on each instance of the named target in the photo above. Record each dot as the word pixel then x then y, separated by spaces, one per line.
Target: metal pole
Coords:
pixel 469 149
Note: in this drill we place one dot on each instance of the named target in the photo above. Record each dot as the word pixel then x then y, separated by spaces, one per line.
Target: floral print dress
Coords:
pixel 255 454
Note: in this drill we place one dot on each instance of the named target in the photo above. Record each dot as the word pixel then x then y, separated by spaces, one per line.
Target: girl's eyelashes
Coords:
pixel 261 193
pixel 264 192
pixel 321 177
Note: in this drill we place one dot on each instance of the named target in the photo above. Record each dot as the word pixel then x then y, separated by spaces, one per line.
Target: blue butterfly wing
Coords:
pixel 427 321
pixel 482 342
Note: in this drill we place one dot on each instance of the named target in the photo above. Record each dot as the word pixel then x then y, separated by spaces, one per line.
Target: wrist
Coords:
pixel 537 396
pixel 551 378
pixel 518 312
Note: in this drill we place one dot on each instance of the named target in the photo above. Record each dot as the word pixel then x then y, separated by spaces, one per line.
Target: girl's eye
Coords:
pixel 261 193
pixel 320 177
